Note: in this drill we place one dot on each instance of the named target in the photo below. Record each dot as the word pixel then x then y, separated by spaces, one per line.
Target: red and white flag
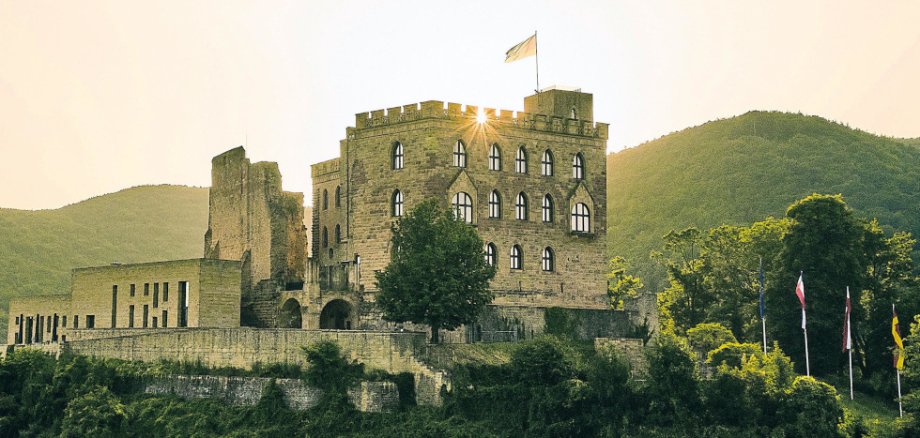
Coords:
pixel 800 291
pixel 847 341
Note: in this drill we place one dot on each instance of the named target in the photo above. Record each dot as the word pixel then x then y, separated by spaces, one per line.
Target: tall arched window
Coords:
pixel 396 209
pixel 338 234
pixel 547 208
pixel 520 161
pixel 397 156
pixel 325 237
pixel 495 204
pixel 517 257
pixel 338 196
pixel 546 163
pixel 549 260
pixel 463 207
pixel 578 166
pixel 459 154
pixel 325 199
pixel 495 158
pixel 581 218
pixel 491 254
pixel 520 207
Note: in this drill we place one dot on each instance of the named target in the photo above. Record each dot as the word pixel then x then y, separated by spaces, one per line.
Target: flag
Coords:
pixel 847 341
pixel 896 334
pixel 523 50
pixel 763 306
pixel 800 291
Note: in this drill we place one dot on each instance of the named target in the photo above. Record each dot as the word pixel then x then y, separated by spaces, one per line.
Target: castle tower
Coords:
pixel 252 220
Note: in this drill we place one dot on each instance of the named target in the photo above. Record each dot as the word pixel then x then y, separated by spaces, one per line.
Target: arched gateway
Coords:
pixel 337 315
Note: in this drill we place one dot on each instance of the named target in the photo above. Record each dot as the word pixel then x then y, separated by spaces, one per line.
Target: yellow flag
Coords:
pixel 896 334
pixel 523 50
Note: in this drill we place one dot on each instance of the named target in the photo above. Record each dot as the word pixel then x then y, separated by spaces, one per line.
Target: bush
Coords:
pixel 706 336
pixel 95 413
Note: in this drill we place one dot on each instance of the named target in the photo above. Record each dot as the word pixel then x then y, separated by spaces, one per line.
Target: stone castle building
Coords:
pixel 532 183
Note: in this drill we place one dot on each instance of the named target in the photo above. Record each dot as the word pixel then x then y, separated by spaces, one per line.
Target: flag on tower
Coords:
pixel 896 334
pixel 847 340
pixel 523 50
pixel 800 291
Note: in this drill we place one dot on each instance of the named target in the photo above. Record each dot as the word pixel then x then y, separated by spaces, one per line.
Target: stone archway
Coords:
pixel 291 314
pixel 337 315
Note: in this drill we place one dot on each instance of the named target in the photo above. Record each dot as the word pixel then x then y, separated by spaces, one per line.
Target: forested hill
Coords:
pixel 742 169
pixel 39 248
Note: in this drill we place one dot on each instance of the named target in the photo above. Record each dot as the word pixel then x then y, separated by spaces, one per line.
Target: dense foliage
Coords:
pixel 713 278
pixel 739 170
pixel 39 248
pixel 438 274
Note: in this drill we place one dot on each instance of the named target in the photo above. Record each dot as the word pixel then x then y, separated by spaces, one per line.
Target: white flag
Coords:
pixel 523 50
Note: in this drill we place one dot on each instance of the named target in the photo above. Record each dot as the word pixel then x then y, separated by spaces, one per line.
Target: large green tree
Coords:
pixel 438 274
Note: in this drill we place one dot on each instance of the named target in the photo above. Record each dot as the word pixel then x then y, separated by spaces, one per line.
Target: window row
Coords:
pixel 337 237
pixel 547 161
pixel 462 205
pixel 516 258
pixel 338 198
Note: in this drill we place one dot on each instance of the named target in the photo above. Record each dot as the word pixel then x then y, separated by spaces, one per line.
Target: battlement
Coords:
pixel 435 109
pixel 325 167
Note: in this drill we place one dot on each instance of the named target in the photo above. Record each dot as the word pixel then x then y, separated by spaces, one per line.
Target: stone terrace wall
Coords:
pixel 243 347
pixel 247 391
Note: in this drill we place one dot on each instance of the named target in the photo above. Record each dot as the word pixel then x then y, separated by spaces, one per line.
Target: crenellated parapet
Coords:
pixel 435 109
pixel 325 167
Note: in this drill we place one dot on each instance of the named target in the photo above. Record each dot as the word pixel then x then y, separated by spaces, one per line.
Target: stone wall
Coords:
pixel 512 323
pixel 247 391
pixel 37 319
pixel 629 348
pixel 243 347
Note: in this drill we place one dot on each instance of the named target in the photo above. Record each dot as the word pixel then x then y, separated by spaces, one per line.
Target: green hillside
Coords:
pixel 742 169
pixel 38 248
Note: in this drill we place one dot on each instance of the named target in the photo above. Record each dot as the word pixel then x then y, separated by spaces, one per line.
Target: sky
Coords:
pixel 98 96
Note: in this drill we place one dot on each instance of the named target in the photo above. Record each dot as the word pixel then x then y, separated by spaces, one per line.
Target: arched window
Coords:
pixel 495 204
pixel 549 260
pixel 396 209
pixel 491 254
pixel 338 234
pixel 325 237
pixel 397 156
pixel 547 208
pixel 325 199
pixel 459 154
pixel 578 166
pixel 546 163
pixel 338 196
pixel 520 161
pixel 463 207
pixel 581 218
pixel 495 157
pixel 520 207
pixel 517 257
pixel 574 114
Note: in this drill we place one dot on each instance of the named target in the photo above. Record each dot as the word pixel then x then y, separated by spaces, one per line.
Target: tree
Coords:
pixel 438 274
pixel 621 285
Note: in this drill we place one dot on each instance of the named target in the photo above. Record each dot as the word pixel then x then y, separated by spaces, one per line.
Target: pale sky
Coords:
pixel 97 96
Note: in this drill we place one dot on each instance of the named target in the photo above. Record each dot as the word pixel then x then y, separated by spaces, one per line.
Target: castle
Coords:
pixel 532 183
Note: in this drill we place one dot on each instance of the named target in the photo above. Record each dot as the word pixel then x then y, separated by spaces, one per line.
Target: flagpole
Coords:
pixel 900 408
pixel 897 360
pixel 763 321
pixel 536 54
pixel 805 332
pixel 763 315
pixel 849 343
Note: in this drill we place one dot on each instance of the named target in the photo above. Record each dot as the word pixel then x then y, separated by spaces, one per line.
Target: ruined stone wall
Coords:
pixel 428 133
pixel 252 220
pixel 247 391
pixel 243 347
pixel 630 349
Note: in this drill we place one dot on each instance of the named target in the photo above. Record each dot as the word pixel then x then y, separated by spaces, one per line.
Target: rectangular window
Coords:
pixel 132 290
pixel 76 321
pixel 154 324
pixel 114 304
pixel 156 295
pixel 164 320
pixel 183 304
pixel 90 321
pixel 146 315
pixel 165 291
pixel 146 289
pixel 131 316
pixel 64 321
